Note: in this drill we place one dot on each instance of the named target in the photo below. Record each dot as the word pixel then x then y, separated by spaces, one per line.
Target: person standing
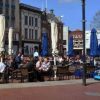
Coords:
pixel 36 56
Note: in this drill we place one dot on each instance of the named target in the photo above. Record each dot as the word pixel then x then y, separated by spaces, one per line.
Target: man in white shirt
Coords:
pixel 36 54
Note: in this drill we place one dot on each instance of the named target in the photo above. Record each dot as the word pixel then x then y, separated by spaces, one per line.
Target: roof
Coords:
pixel 31 8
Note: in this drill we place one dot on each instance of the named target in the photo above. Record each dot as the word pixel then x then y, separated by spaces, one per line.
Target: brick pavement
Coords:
pixel 62 90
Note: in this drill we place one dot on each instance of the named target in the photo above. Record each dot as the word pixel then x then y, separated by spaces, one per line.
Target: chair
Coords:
pixel 61 72
pixel 90 71
pixel 20 74
pixel 49 73
pixel 71 71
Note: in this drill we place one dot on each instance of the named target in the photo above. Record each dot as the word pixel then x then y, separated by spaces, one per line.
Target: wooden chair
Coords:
pixel 71 71
pixel 20 74
pixel 89 71
pixel 61 72
pixel 49 74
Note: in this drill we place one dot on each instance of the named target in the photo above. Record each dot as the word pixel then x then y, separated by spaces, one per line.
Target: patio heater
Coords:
pixel 83 29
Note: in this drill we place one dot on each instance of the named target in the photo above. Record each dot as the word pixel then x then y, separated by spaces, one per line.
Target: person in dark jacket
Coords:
pixel 17 60
pixel 31 68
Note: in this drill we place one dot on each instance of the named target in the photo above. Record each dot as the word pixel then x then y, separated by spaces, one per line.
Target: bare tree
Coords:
pixel 96 21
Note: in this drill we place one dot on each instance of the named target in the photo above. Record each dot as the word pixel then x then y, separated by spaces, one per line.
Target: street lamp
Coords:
pixel 83 28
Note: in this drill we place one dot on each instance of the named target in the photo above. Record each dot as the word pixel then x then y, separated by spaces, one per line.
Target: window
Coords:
pixel 26 33
pixel 29 20
pixel 36 34
pixel 36 22
pixel 7 7
pixel 76 42
pixel 7 11
pixel 1 4
pixel 7 3
pixel 13 11
pixel 1 11
pixel 14 37
pixel 32 21
pixel 6 36
pixel 7 22
pixel 13 4
pixel 12 17
pixel 81 42
pixel 13 22
pixel 32 33
pixel 26 20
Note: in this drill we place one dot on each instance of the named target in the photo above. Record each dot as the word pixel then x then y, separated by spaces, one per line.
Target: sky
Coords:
pixel 71 10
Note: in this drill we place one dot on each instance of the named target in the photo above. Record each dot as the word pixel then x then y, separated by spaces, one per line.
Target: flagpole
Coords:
pixel 42 6
pixel 46 4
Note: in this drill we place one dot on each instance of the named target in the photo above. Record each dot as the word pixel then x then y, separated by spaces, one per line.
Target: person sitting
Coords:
pixel 45 68
pixel 38 70
pixel 3 71
pixel 60 60
pixel 45 65
pixel 31 68
pixel 39 63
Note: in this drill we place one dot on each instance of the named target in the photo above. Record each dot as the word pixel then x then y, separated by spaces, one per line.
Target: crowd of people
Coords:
pixel 39 65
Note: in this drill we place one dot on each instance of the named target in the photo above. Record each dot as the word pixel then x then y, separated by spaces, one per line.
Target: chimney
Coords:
pixel 52 11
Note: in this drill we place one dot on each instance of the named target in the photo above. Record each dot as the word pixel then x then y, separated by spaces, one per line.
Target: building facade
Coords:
pixel 30 28
pixel 77 41
pixel 10 8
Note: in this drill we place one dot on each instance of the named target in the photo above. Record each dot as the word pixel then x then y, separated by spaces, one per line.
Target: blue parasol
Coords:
pixel 70 46
pixel 93 43
pixel 44 44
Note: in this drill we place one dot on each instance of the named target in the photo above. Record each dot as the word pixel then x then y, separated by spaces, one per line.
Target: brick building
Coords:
pixel 77 41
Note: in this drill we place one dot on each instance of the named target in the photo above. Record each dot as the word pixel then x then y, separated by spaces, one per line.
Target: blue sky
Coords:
pixel 70 10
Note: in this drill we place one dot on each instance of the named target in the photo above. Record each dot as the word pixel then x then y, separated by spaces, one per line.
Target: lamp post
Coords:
pixel 83 28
